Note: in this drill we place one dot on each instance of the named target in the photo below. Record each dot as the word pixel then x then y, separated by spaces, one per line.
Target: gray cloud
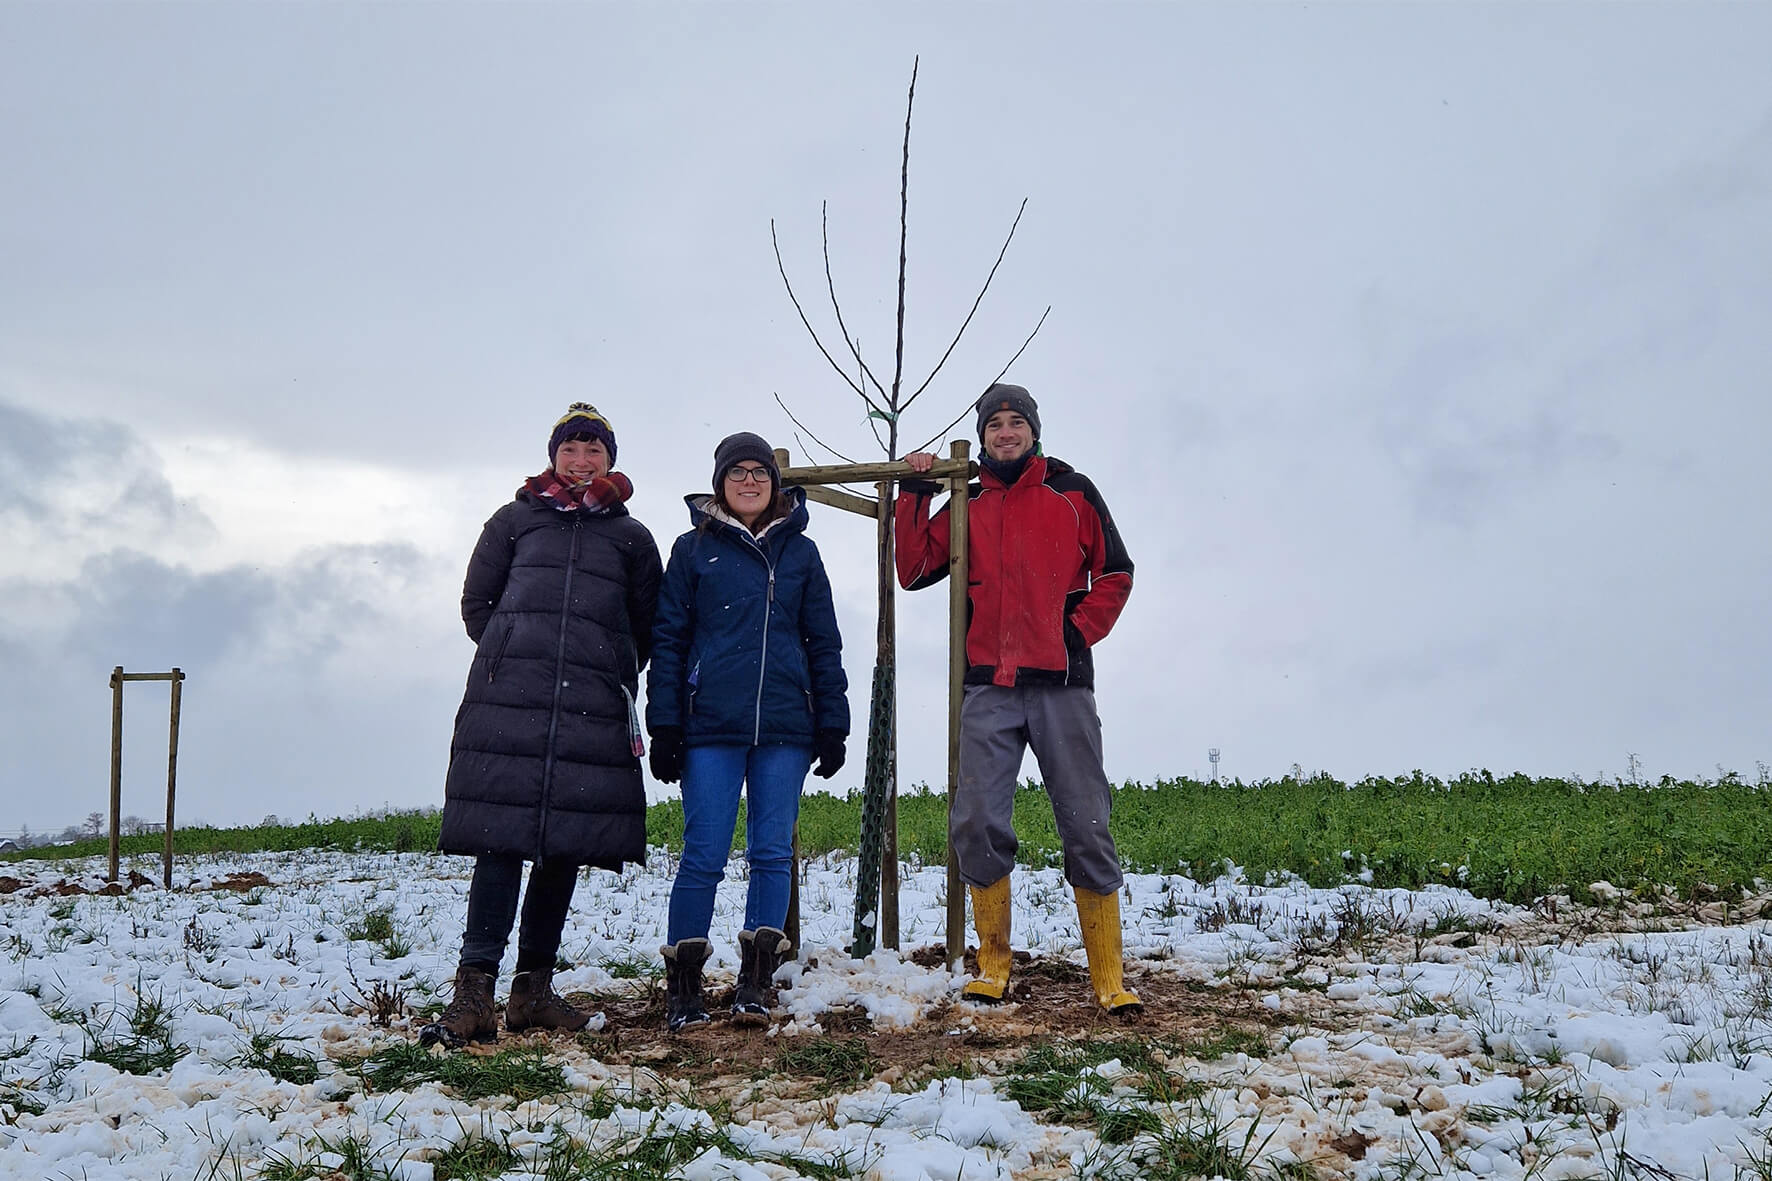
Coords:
pixel 306 685
pixel 319 661
pixel 66 484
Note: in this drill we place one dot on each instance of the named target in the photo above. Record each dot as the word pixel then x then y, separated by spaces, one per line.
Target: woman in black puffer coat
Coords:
pixel 544 766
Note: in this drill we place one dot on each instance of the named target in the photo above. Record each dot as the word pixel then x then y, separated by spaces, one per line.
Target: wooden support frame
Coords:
pixel 118 679
pixel 956 472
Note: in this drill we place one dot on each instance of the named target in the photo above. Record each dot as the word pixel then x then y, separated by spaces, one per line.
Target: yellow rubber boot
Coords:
pixel 1100 918
pixel 990 915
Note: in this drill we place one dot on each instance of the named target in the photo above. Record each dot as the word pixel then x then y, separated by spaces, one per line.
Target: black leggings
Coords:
pixel 492 907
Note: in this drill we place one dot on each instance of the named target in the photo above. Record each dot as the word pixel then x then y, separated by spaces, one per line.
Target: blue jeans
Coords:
pixel 771 778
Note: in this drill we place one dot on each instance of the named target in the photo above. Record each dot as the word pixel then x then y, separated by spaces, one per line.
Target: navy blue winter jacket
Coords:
pixel 745 649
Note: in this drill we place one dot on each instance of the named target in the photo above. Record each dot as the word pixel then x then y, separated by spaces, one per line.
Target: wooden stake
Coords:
pixel 116 762
pixel 178 681
pixel 959 614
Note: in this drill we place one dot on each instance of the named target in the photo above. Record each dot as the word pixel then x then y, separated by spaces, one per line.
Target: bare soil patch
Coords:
pixel 1049 1000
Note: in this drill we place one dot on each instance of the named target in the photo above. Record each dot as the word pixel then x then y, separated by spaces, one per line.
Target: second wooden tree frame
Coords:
pixel 119 678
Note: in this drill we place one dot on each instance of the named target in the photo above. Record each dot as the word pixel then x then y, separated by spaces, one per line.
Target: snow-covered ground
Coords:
pixel 1419 1033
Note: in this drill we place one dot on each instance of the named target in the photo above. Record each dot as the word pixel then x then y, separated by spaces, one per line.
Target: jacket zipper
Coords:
pixel 547 774
pixel 1004 656
pixel 763 660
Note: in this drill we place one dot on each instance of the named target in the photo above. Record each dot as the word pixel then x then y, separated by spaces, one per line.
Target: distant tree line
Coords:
pixel 96 824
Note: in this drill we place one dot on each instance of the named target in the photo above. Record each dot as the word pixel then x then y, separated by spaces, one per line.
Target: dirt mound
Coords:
pixel 1049 1000
pixel 67 887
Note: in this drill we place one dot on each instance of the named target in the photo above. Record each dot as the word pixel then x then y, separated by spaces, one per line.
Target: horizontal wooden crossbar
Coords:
pixel 174 675
pixel 837 498
pixel 857 473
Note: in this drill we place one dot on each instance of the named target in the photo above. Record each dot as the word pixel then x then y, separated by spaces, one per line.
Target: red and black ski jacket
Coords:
pixel 1048 572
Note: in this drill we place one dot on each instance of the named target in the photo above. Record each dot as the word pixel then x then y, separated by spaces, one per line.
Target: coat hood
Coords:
pixel 702 509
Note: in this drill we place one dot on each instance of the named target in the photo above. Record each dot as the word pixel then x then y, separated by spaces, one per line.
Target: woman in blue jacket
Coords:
pixel 746 690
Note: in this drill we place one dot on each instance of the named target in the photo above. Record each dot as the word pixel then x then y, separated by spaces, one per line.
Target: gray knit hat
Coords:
pixel 1003 396
pixel 744 445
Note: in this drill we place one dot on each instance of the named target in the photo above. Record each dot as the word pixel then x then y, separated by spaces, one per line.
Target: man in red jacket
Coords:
pixel 1049 576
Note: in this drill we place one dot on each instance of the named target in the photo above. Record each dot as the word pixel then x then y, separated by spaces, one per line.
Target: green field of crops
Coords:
pixel 1514 838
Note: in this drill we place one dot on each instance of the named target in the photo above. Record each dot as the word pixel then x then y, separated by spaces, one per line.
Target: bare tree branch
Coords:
pixel 1018 352
pixel 1024 346
pixel 830 284
pixel 904 206
pixel 782 267
pixel 808 430
pixel 932 439
pixel 969 314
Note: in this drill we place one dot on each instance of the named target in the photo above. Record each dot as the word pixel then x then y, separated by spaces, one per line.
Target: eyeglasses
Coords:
pixel 738 475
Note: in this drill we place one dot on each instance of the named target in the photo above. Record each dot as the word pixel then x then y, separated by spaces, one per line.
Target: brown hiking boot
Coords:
pixel 470 1016
pixel 535 1005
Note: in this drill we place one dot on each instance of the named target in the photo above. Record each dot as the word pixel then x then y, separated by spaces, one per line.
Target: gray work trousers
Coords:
pixel 997 725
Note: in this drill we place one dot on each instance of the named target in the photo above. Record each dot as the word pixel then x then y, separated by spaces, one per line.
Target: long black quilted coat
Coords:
pixel 560 606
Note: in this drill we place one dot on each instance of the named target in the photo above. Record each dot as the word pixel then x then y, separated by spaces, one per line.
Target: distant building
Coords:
pixel 8 846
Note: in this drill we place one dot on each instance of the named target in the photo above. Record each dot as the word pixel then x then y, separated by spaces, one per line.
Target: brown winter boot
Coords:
pixel 760 953
pixel 684 960
pixel 535 1005
pixel 470 1016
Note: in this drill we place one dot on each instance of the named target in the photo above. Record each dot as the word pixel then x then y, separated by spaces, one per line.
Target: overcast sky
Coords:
pixel 1421 352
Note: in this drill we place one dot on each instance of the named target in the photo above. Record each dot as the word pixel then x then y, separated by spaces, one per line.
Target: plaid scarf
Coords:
pixel 597 495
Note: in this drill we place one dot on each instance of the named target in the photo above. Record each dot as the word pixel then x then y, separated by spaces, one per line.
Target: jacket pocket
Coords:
pixel 1076 648
pixel 498 657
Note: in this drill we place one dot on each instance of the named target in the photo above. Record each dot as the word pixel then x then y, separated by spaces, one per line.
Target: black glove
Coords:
pixel 827 747
pixel 667 754
pixel 917 486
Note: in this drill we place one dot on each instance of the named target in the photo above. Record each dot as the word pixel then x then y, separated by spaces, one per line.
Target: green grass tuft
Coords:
pixel 838 1061
pixel 522 1074
pixel 266 1053
pixel 475 1158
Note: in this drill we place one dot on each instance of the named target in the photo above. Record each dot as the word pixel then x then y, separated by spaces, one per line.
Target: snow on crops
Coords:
pixel 243 1026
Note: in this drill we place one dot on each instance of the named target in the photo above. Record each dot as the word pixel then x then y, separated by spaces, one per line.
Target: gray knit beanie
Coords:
pixel 1003 396
pixel 744 445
